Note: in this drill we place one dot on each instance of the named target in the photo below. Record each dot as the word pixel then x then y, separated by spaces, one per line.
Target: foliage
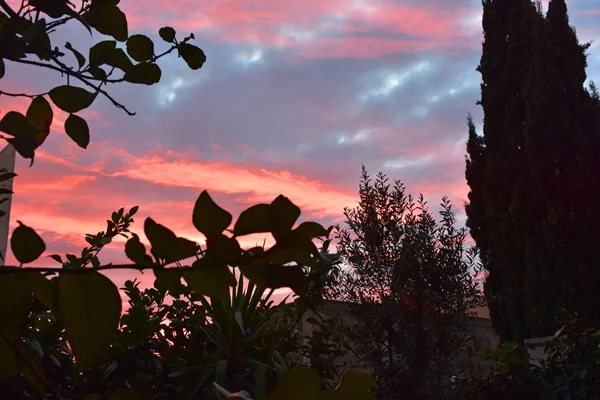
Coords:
pixel 26 38
pixel 532 170
pixel 410 283
pixel 571 369
pixel 87 304
pixel 325 348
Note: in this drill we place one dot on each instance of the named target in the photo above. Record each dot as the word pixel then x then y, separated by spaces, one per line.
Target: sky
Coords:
pixel 295 97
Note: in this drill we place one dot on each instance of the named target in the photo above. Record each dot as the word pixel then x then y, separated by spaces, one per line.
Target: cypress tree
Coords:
pixel 534 172
pixel 495 161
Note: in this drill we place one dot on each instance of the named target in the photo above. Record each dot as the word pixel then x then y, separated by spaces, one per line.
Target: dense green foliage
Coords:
pixel 411 282
pixel 533 169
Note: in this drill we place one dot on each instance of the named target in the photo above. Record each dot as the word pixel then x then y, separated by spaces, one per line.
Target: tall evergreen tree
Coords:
pixel 533 172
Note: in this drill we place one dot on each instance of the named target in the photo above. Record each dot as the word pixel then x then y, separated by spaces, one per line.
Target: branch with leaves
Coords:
pixel 25 33
pixel 78 288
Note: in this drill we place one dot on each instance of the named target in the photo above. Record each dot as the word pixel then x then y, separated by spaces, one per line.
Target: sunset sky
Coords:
pixel 294 98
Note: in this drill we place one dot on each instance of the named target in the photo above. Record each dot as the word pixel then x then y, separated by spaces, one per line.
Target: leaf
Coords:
pixel 122 393
pixel 221 249
pixel 356 381
pixel 6 176
pixel 56 258
pixel 285 214
pixel 71 99
pixel 43 289
pixel 100 51
pixel 145 73
pixel 9 361
pixel 118 59
pixel 168 278
pixel 140 48
pixel 40 113
pixel 253 220
pixel 310 230
pixel 108 20
pixel 78 130
pixel 299 383
pixel 80 58
pixel 133 211
pixel 26 245
pixel 136 251
pixel 213 281
pixel 167 34
pixel 208 217
pixel 97 73
pixel 167 246
pixel 16 124
pixel 90 308
pixel 25 146
pixel 52 8
pixel 192 55
pixel 15 300
pixel 277 276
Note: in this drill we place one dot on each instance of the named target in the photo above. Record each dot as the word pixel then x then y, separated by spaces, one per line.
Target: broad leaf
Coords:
pixel 26 245
pixel 166 245
pixel 118 59
pixel 71 99
pixel 357 382
pixel 192 55
pixel 311 230
pixel 208 217
pixel 78 130
pixel 100 51
pixel 108 20
pixel 43 288
pixel 167 34
pixel 140 48
pixel 277 276
pixel 285 214
pixel 136 251
pixel 145 73
pixel 15 299
pixel 40 113
pixel 90 308
pixel 168 278
pixel 16 124
pixel 9 361
pixel 214 281
pixel 253 220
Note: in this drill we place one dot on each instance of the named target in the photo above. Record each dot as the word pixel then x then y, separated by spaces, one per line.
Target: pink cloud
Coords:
pixel 331 29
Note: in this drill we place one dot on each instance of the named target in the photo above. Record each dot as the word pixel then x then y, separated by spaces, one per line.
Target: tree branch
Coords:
pixel 31 96
pixel 64 69
pixel 7 270
pixel 8 10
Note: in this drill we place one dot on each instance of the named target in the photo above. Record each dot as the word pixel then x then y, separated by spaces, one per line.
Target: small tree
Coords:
pixel 411 282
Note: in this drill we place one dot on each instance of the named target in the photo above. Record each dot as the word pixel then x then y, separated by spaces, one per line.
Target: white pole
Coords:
pixel 7 164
